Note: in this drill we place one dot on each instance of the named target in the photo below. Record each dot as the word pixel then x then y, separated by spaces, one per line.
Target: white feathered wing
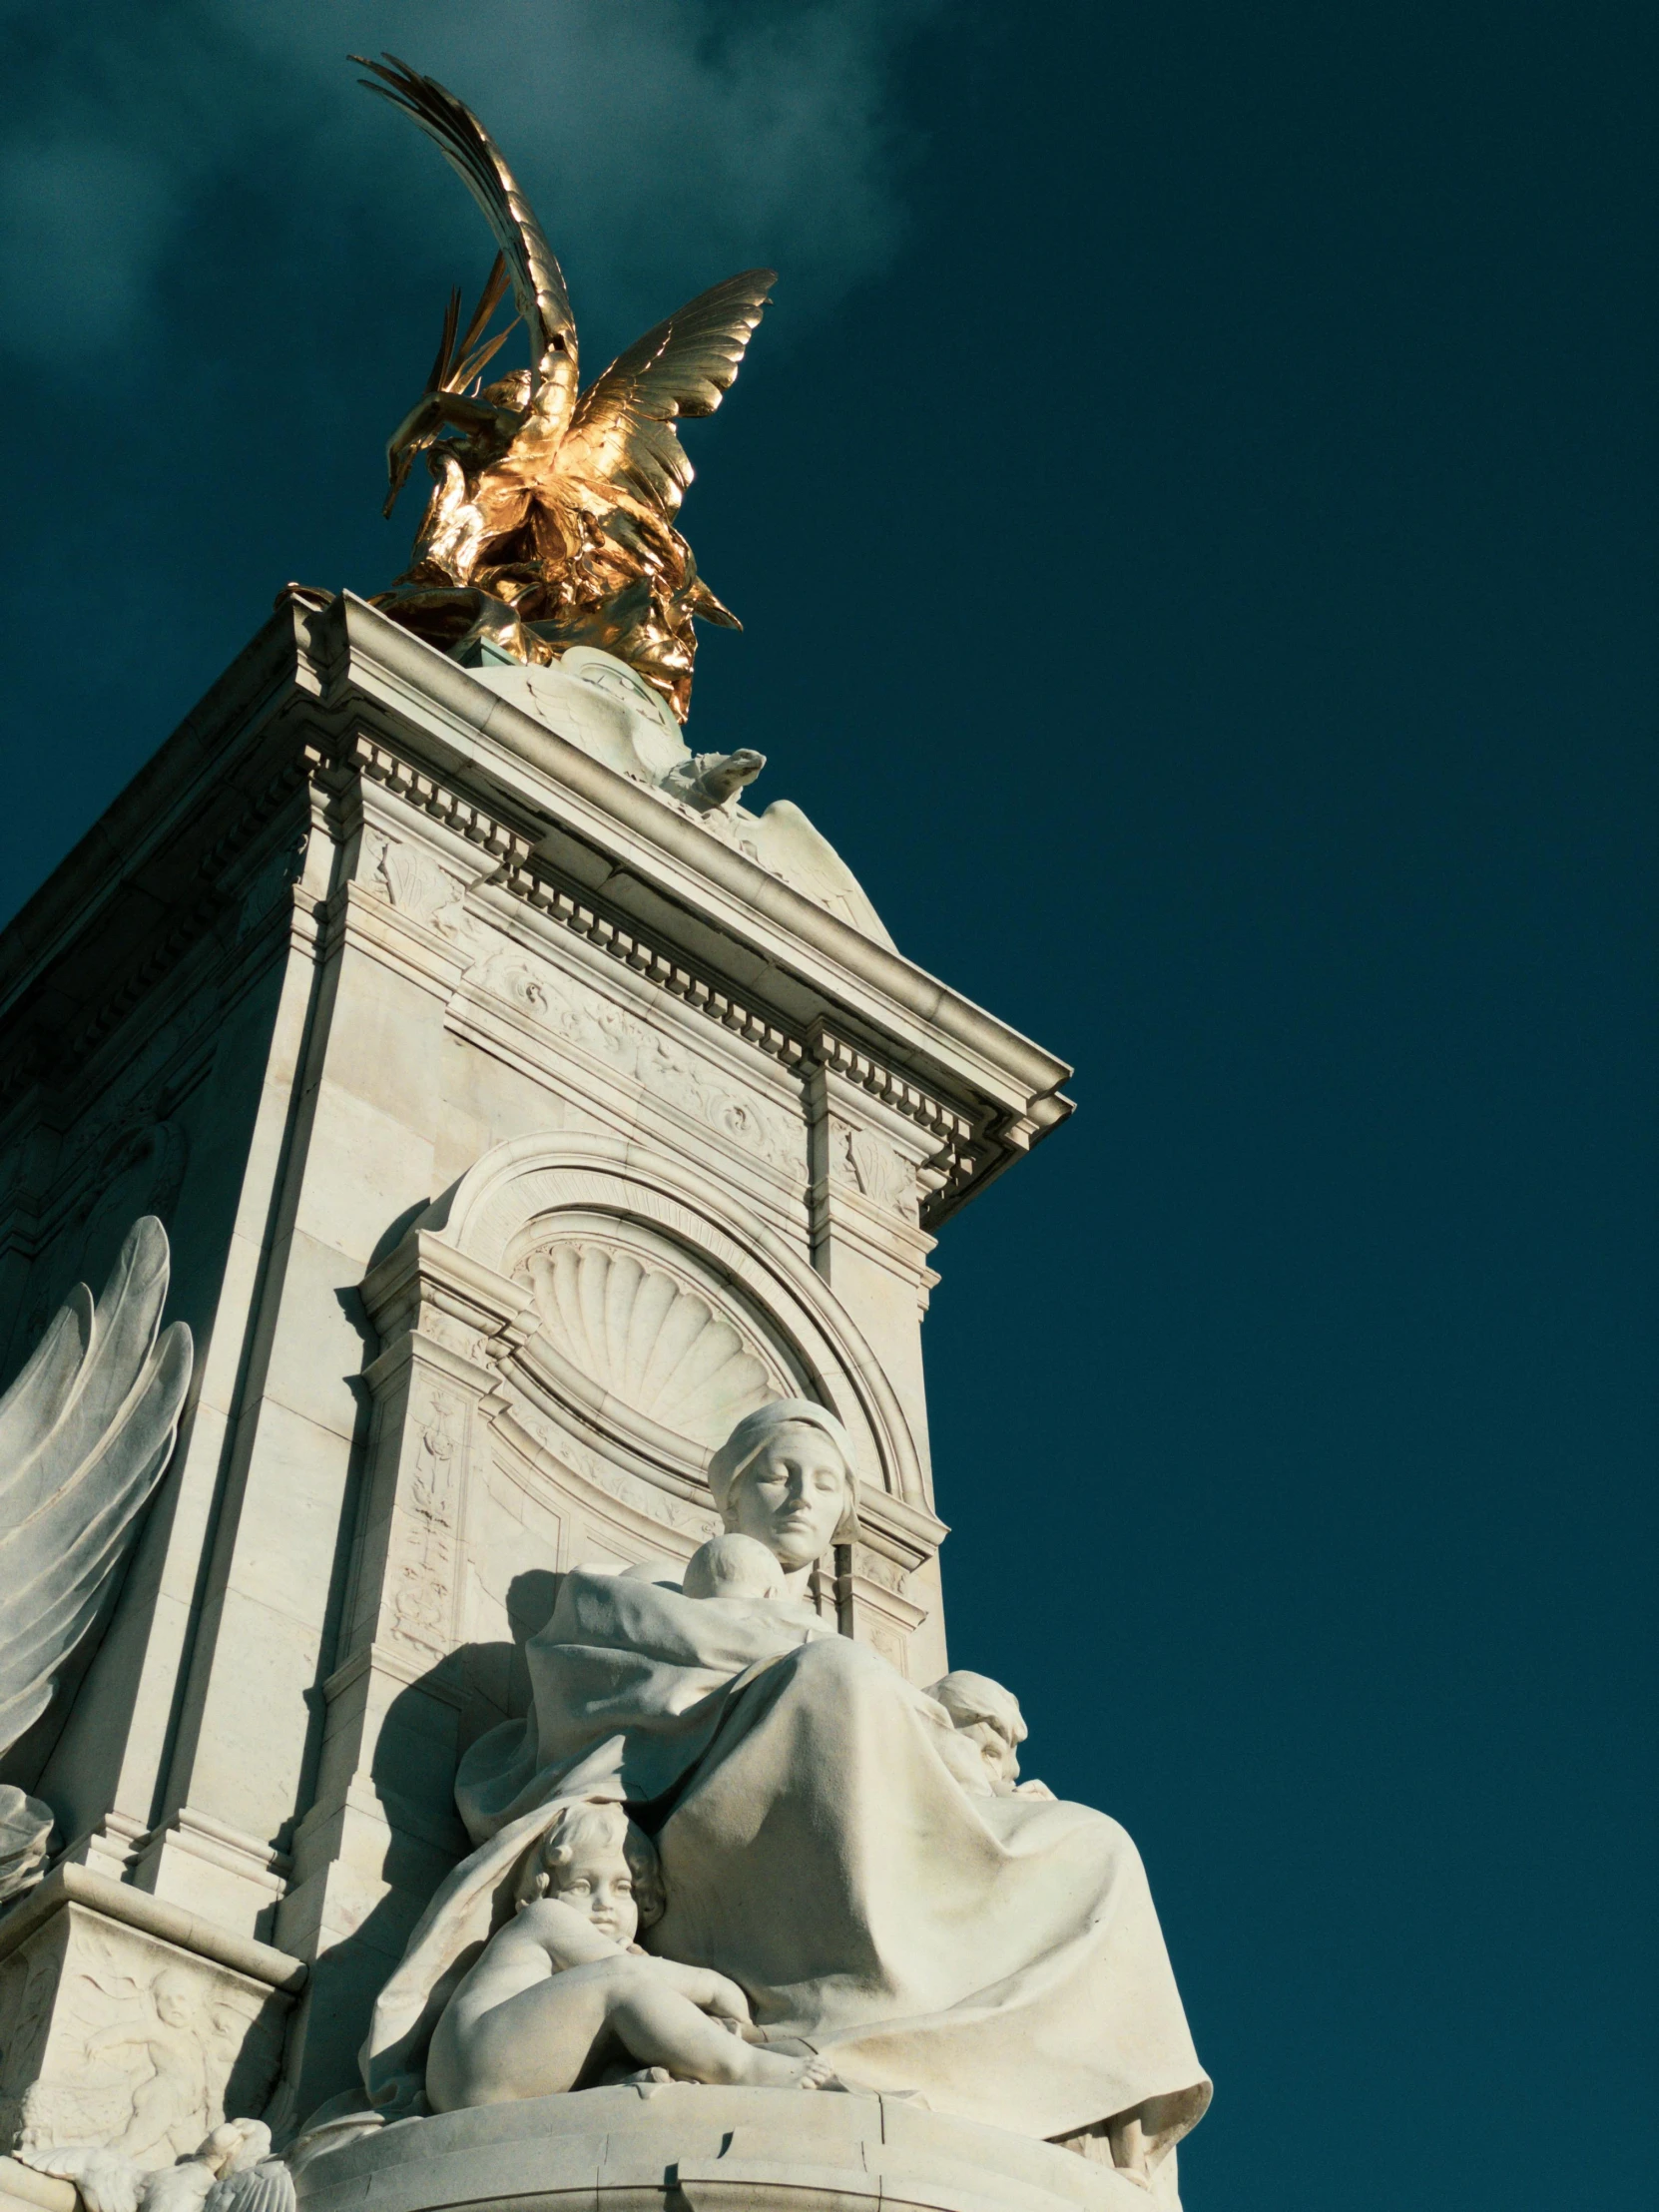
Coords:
pixel 84 1434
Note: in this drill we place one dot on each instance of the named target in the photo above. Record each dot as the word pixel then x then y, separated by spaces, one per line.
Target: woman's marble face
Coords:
pixel 791 1495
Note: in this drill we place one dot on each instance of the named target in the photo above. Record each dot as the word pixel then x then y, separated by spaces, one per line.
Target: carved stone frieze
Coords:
pixel 454 1336
pixel 109 2036
pixel 648 1500
pixel 635 1049
pixel 886 1574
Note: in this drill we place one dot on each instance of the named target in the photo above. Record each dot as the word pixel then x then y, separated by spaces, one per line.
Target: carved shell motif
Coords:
pixel 652 1342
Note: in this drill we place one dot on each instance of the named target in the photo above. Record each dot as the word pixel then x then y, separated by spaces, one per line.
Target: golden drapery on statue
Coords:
pixel 552 516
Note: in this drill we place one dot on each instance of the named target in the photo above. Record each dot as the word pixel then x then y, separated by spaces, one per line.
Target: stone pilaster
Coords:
pixel 382 1831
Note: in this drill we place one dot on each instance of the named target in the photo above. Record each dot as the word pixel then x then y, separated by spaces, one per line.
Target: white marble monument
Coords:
pixel 550 1142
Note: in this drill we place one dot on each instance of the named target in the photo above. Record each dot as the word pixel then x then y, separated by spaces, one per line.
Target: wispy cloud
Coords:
pixel 665 143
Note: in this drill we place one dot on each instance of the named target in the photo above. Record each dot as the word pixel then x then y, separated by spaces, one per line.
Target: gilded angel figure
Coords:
pixel 551 521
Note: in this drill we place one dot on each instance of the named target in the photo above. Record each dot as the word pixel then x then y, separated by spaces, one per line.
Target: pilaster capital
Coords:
pixel 427 1286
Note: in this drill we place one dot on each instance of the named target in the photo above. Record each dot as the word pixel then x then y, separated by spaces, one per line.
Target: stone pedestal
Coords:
pixel 515 1126
pixel 677 2146
pixel 127 2021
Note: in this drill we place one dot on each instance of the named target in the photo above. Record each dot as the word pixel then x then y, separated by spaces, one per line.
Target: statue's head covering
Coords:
pixel 756 1430
pixel 969 1697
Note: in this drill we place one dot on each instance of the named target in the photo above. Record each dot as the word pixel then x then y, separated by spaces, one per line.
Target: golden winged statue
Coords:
pixel 552 516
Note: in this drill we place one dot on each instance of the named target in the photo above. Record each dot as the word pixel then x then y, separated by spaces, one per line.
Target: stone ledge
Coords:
pixel 118 1901
pixel 680 2146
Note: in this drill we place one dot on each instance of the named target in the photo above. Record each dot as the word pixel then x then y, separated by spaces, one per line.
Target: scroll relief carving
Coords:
pixel 422 1578
pixel 862 1161
pixel 643 1054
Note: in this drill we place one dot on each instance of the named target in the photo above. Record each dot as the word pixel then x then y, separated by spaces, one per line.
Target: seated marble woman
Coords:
pixel 982 1945
pixel 563 1992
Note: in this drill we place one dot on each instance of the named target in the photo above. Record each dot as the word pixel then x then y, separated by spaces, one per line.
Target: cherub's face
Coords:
pixel 173 2003
pixel 596 1883
pixel 1002 1758
pixel 791 1495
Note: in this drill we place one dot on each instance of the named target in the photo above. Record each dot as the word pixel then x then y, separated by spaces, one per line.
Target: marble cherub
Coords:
pixel 735 1570
pixel 563 1992
pixel 730 1565
pixel 987 1729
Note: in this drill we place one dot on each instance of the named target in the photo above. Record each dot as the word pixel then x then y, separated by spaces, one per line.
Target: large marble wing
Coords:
pixel 538 282
pixel 784 840
pixel 85 1433
pixel 621 438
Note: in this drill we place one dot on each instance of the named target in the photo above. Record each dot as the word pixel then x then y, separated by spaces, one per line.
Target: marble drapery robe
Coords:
pixel 998 1954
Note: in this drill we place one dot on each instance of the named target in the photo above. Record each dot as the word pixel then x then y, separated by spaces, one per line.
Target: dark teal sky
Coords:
pixel 1192 506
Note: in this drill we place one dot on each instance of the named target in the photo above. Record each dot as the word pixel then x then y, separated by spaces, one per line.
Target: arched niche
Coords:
pixel 618 1259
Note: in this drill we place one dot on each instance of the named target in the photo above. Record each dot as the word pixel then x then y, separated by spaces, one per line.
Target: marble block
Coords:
pixel 111 2033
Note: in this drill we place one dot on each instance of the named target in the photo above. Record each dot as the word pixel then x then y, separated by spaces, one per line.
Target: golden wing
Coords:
pixel 621 438
pixel 538 282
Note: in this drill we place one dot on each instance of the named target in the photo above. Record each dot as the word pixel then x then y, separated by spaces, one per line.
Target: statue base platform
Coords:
pixel 679 2147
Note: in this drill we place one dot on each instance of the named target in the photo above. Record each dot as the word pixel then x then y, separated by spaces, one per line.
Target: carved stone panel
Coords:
pixel 422 1565
pixel 110 2035
pixel 626 1045
pixel 862 1160
pixel 410 880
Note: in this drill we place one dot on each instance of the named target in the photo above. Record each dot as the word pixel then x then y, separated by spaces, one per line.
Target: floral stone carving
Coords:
pixel 632 1048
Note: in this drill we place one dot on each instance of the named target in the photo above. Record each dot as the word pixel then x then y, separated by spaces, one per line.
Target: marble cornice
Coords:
pixel 603 831
pixel 151 1916
pixel 329 697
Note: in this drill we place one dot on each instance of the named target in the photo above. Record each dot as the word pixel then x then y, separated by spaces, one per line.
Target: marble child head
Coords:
pixel 733 1566
pixel 785 1476
pixel 989 1716
pixel 592 1859
pixel 172 1993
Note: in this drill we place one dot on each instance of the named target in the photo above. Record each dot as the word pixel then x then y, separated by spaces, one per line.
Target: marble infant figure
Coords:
pixel 733 1566
pixel 563 1990
pixel 987 1729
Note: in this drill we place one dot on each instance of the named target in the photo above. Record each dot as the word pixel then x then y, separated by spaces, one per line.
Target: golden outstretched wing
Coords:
pixel 538 282
pixel 621 438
